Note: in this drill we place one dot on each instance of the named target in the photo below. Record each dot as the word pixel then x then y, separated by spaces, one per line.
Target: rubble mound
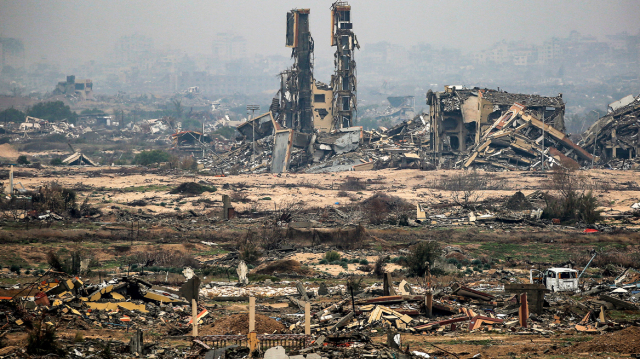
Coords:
pixel 626 341
pixel 288 266
pixel 239 324
pixel 518 202
pixel 192 188
pixel 384 202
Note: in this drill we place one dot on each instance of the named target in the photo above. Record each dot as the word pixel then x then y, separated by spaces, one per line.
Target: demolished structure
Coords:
pixel 617 134
pixel 459 116
pixel 343 81
pixel 307 108
pixel 519 140
pixel 484 127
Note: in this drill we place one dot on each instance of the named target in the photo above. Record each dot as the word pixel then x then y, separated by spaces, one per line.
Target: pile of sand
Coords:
pixel 626 341
pixel 8 152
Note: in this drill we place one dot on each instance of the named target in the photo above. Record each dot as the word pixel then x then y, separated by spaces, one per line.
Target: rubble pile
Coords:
pixel 346 149
pixel 520 141
pixel 615 138
pixel 327 322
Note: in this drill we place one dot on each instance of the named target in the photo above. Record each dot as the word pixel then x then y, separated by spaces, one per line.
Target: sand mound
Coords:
pixel 8 152
pixel 518 202
pixel 239 324
pixel 626 341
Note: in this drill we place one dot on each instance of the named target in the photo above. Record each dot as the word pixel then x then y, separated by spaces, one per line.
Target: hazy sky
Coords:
pixel 84 30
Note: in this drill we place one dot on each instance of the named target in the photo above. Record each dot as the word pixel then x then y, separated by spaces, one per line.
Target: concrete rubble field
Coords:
pixel 326 274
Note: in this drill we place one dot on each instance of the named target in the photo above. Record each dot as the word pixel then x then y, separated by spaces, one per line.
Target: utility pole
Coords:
pixel 253 108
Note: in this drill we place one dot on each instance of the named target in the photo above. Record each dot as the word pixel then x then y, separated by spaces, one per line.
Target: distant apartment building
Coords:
pixel 228 47
pixel 11 52
pixel 133 48
pixel 508 53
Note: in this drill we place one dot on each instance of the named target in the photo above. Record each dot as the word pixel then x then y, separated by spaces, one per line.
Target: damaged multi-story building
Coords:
pixel 307 113
pixel 82 88
pixel 459 116
pixel 343 81
pixel 305 104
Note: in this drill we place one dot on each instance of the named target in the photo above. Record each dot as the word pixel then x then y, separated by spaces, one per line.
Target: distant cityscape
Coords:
pixel 589 72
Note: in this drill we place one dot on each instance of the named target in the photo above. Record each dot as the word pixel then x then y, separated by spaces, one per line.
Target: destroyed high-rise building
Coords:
pixel 295 105
pixel 458 116
pixel 343 81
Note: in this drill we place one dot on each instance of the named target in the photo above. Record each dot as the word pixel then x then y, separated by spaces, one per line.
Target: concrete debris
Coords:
pixel 615 138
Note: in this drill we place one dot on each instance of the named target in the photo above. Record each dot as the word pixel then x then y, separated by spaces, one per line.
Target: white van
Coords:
pixel 556 279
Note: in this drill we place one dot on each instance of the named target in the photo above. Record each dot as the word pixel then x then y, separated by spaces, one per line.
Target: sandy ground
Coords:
pixel 8 152
pixel 268 191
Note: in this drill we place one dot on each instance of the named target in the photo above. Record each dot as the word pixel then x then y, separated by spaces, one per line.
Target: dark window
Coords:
pixel 318 98
pixel 567 275
pixel 454 142
pixel 345 103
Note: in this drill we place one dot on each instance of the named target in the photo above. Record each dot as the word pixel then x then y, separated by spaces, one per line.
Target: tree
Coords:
pixel 226 132
pixel 424 254
pixel 22 160
pixel 177 104
pixel 146 158
pixel 191 124
pixel 12 115
pixel 53 111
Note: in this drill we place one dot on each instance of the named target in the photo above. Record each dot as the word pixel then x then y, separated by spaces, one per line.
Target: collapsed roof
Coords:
pixel 617 134
pixel 78 159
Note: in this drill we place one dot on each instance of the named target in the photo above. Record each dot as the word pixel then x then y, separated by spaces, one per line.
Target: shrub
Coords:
pixel 15 268
pixel 239 196
pixel 55 162
pixel 423 254
pixel 352 184
pixel 249 251
pixel 323 261
pixel 79 337
pixel 378 269
pixel 22 160
pixel 146 158
pixel 364 261
pixel 332 256
pixel 42 339
pixel 476 262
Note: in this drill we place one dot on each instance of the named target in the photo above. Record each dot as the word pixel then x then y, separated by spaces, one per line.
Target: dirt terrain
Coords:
pixel 286 225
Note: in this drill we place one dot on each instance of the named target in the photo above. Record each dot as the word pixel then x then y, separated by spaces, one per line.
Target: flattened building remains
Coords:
pixel 499 130
pixel 615 137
